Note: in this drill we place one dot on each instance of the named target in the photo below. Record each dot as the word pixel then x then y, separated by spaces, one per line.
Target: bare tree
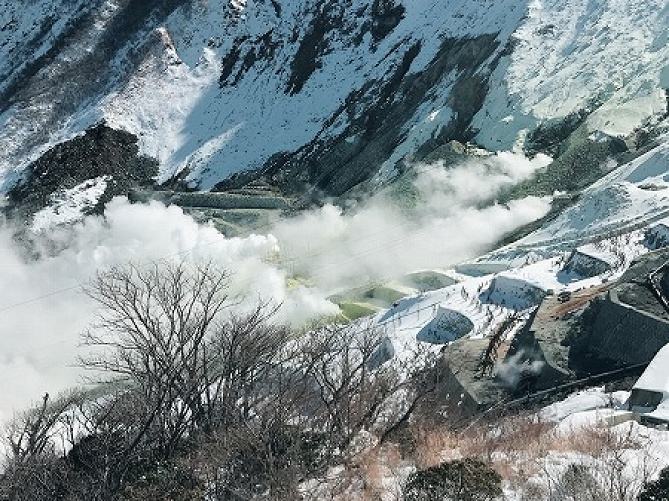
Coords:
pixel 263 407
pixel 351 380
pixel 33 468
pixel 250 356
pixel 154 329
pixel 186 366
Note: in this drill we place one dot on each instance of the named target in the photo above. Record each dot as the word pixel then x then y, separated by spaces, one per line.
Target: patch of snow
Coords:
pixel 575 55
pixel 68 206
pixel 581 401
pixel 656 376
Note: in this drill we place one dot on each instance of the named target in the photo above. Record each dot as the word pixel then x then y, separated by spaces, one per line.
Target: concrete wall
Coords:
pixel 586 265
pixel 513 292
pixel 626 335
pixel 478 269
pixel 461 386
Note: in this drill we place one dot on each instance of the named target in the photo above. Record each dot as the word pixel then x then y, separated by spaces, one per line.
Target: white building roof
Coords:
pixel 656 376
pixel 593 252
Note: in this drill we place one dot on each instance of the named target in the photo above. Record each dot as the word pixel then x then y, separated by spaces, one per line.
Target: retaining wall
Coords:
pixel 625 334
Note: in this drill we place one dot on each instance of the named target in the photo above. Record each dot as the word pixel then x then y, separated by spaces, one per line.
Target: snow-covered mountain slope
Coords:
pixel 628 199
pixel 58 60
pixel 617 219
pixel 328 94
pixel 611 57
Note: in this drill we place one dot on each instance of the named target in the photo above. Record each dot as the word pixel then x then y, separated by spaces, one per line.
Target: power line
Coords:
pixel 267 225
pixel 40 298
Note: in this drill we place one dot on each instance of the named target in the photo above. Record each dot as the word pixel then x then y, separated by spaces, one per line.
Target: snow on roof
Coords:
pixel 592 251
pixel 661 413
pixel 656 376
pixel 659 227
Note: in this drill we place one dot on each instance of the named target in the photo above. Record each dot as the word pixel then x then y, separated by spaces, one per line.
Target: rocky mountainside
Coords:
pixel 334 95
pixel 490 178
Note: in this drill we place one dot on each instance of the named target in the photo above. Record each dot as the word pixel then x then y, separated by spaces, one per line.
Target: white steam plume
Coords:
pixel 452 221
pixel 39 339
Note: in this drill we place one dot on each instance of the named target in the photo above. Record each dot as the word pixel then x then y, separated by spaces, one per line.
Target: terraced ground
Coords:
pixel 234 212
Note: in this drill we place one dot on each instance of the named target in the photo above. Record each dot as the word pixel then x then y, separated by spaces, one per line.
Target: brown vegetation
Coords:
pixel 224 400
pixel 201 400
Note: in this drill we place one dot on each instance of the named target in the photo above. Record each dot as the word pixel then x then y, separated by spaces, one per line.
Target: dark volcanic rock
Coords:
pixel 311 48
pixel 377 119
pixel 386 15
pixel 100 151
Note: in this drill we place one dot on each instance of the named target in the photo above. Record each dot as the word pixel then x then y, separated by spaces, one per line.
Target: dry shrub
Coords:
pixel 169 482
pixel 463 479
pixel 516 440
pixel 375 474
pixel 595 441
pixel 531 491
pixel 374 466
pixel 516 445
pixel 577 483
pixel 433 445
pixel 512 444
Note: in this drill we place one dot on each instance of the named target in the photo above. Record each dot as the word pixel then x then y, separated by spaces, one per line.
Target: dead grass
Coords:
pixel 595 441
pixel 433 446
pixel 518 436
pixel 515 447
pixel 376 474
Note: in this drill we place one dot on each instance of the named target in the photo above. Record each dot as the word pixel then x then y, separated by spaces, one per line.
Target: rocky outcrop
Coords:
pixel 378 120
pixel 630 324
pixel 101 151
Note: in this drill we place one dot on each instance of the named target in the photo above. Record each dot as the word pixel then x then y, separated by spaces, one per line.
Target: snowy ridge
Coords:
pixel 580 54
pixel 620 206
pixel 224 87
pixel 255 115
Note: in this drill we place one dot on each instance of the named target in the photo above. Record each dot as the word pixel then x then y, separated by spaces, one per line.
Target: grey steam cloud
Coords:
pixel 39 338
pixel 452 221
pixel 520 365
pixel 43 311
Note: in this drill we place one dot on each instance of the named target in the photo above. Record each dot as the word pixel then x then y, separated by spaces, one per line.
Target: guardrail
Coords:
pixel 656 286
pixel 593 380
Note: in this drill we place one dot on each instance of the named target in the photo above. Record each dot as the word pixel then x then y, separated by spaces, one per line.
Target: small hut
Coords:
pixel 650 394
